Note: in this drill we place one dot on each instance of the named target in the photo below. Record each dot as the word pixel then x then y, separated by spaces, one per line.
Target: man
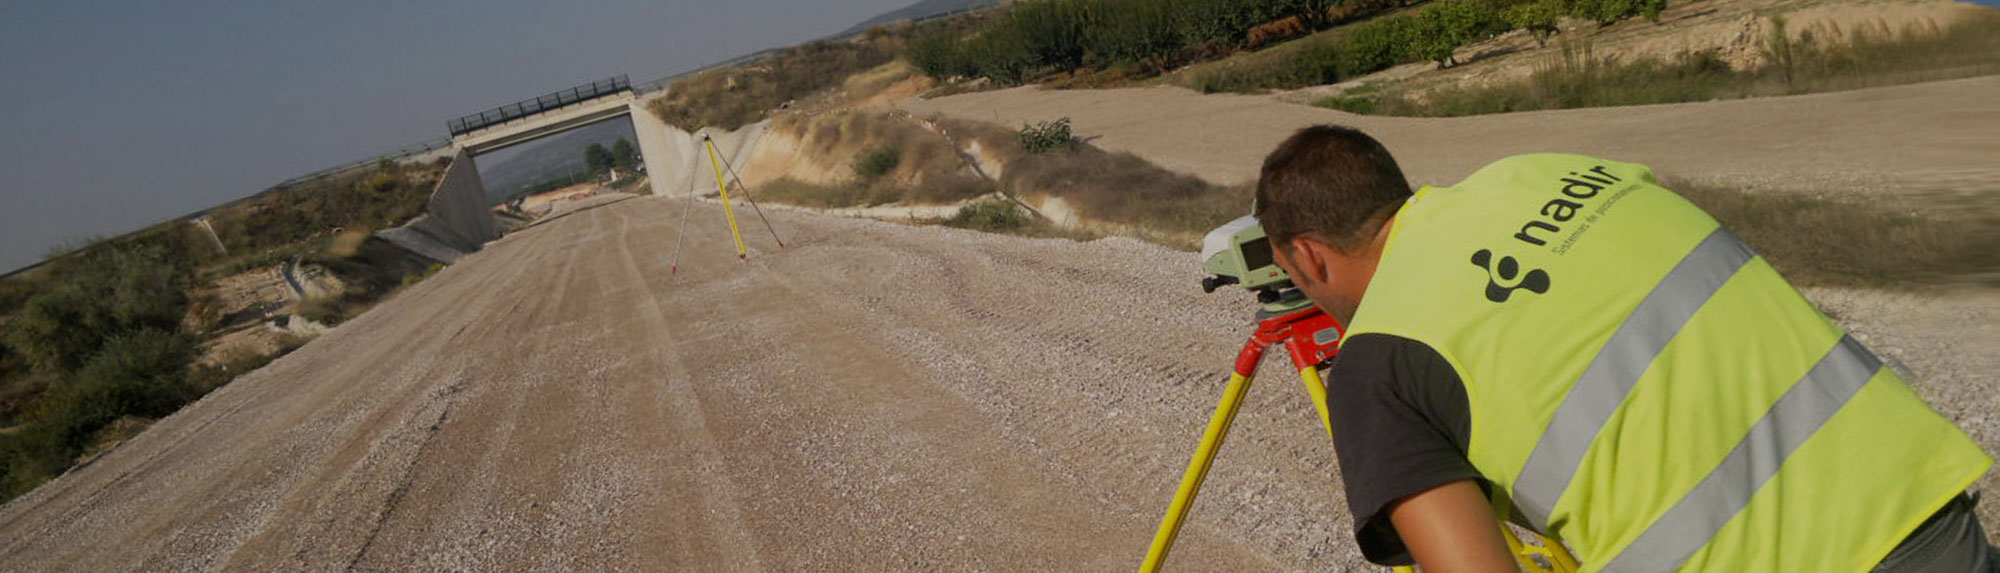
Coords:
pixel 1561 332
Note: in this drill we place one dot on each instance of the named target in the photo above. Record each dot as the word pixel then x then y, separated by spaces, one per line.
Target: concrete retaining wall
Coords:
pixel 459 216
pixel 675 159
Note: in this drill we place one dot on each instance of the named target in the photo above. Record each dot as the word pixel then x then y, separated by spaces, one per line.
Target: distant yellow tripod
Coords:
pixel 1311 337
pixel 718 164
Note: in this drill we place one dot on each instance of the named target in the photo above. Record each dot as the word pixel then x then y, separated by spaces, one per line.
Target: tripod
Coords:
pixel 1311 337
pixel 717 163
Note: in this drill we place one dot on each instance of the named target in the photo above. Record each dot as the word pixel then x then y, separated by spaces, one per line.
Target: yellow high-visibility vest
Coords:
pixel 1645 387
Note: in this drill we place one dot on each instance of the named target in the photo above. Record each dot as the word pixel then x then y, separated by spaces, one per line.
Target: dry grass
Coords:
pixel 927 169
pixel 1118 190
pixel 828 196
pixel 1823 242
pixel 346 243
pixel 730 98
pixel 1123 189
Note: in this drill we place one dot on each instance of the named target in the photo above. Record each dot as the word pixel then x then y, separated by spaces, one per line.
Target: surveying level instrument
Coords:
pixel 1238 253
pixel 718 164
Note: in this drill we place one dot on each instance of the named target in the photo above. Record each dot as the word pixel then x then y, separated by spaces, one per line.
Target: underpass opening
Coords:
pixel 460 216
pixel 601 155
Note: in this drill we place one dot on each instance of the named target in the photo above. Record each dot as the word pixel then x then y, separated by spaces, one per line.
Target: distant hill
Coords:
pixel 920 10
pixel 508 171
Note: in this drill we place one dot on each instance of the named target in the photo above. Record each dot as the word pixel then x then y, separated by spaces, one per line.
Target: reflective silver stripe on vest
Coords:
pixel 1699 515
pixel 1610 376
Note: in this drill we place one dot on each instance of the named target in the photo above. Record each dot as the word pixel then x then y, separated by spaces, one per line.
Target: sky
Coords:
pixel 114 116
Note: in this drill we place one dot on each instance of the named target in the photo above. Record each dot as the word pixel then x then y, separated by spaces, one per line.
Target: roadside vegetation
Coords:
pixel 107 337
pixel 278 224
pixel 881 159
pixel 732 97
pixel 1826 242
pixel 1817 59
pixel 1031 41
pixel 1081 191
pixel 1089 43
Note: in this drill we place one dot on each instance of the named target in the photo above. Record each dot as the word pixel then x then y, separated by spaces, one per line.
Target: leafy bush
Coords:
pixel 104 295
pixel 1046 136
pixel 140 374
pixel 136 374
pixel 877 161
pixel 990 216
pixel 1374 46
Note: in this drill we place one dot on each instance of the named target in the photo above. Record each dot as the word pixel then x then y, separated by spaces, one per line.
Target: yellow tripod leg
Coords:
pixel 727 212
pixel 1316 389
pixel 1558 557
pixel 1197 470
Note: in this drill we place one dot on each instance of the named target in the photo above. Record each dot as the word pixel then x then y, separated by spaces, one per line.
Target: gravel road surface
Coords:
pixel 876 397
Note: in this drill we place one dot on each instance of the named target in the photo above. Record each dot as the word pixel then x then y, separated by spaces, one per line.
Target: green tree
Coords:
pixel 1605 12
pixel 1440 29
pixel 597 159
pixel 939 56
pixel 623 156
pixel 1142 31
pixel 1541 18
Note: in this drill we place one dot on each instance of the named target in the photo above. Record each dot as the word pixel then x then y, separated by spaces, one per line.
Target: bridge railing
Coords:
pixel 537 105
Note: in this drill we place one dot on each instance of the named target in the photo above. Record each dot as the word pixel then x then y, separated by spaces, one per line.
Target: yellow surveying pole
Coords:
pixel 727 212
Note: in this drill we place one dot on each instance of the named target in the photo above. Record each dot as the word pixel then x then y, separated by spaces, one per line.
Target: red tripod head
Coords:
pixel 1310 335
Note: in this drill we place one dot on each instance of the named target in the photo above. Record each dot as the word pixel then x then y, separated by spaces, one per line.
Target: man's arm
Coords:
pixel 1449 529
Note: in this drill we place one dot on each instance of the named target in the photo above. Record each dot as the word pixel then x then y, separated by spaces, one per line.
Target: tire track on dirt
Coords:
pixel 683 409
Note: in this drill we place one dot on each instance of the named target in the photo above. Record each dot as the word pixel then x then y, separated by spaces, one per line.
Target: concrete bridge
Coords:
pixel 458 220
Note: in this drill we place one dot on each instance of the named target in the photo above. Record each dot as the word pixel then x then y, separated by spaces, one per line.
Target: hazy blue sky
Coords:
pixel 117 115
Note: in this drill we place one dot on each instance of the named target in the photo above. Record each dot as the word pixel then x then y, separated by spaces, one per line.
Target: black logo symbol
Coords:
pixel 1536 281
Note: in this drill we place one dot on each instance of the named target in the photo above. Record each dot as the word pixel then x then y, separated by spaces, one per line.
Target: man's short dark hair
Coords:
pixel 1329 182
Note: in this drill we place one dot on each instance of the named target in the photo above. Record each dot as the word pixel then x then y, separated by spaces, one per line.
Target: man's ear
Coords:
pixel 1310 256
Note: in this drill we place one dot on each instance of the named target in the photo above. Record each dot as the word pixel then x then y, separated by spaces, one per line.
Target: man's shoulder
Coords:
pixel 1385 356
